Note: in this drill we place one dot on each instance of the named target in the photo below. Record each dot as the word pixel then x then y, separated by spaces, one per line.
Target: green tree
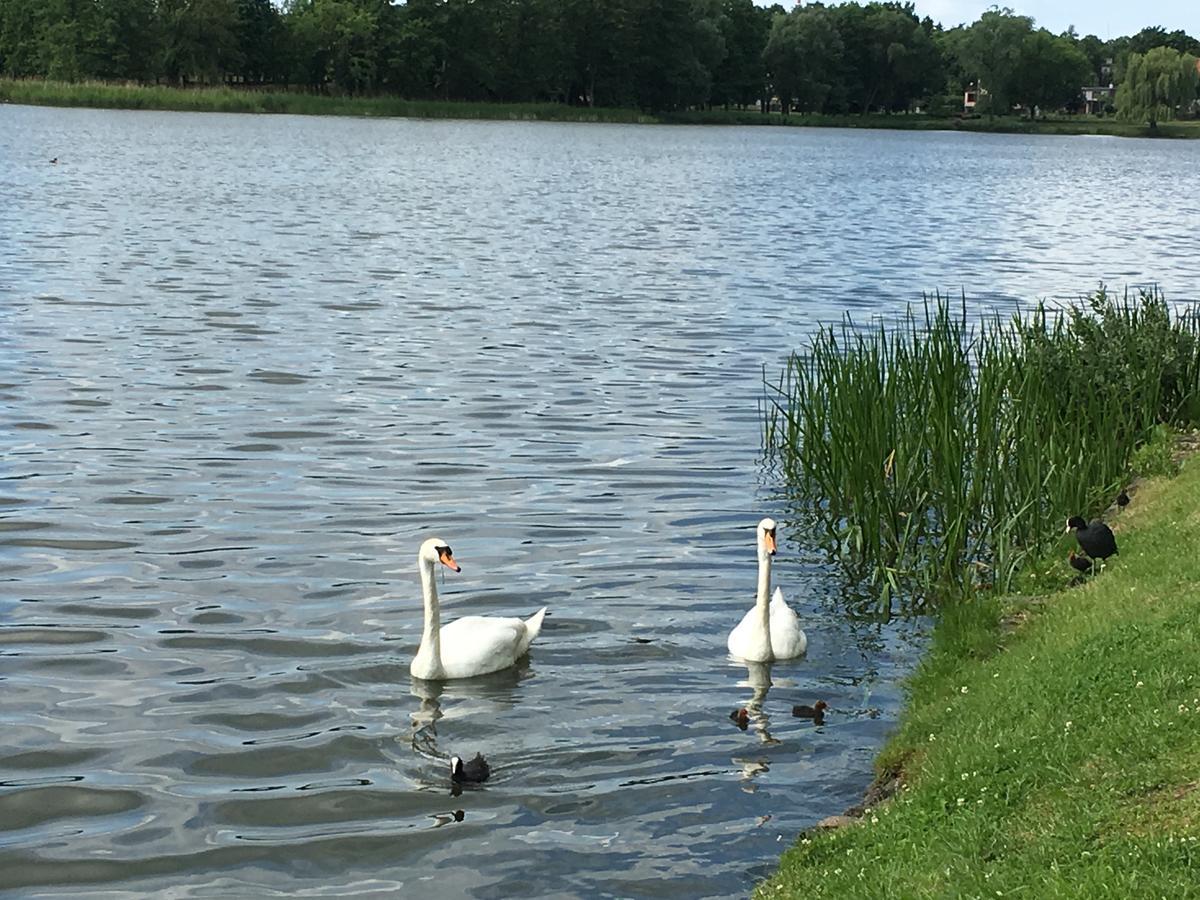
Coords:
pixel 533 63
pixel 1149 38
pixel 121 40
pixel 889 58
pixel 676 43
pixel 1156 84
pixel 602 41
pixel 803 56
pixel 1050 73
pixel 260 39
pixel 741 77
pixel 199 39
pixel 1097 53
pixel 411 47
pixel 333 43
pixel 990 52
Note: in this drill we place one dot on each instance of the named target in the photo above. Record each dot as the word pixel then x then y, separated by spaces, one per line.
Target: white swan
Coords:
pixel 769 630
pixel 472 645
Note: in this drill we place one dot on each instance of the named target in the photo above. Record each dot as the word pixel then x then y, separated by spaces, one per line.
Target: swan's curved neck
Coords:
pixel 762 606
pixel 431 639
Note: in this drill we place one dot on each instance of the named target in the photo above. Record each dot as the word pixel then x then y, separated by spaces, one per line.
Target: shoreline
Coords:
pixel 97 95
pixel 982 787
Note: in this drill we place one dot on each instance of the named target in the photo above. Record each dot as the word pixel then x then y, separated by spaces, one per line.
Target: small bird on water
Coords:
pixel 741 717
pixel 473 771
pixel 1096 540
pixel 816 712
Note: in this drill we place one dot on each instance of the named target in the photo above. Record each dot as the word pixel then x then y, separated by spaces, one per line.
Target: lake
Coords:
pixel 247 364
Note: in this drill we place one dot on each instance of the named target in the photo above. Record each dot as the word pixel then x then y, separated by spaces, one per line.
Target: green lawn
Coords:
pixel 1051 747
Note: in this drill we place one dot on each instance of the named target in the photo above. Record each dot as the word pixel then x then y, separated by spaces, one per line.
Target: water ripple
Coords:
pixel 248 363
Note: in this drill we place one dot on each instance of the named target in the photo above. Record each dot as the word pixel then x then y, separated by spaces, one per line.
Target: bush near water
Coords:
pixel 938 457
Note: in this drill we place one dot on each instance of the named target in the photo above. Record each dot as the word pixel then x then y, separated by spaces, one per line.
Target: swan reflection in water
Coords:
pixel 497 691
pixel 758 679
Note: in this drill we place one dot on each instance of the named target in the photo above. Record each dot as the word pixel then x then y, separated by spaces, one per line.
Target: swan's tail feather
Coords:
pixel 533 627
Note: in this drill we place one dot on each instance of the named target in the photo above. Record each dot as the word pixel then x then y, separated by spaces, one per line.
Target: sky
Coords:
pixel 1103 18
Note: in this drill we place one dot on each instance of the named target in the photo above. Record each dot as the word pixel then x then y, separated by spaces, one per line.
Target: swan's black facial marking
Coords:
pixel 444 550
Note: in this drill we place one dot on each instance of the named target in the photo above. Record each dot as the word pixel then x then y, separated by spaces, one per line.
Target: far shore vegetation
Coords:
pixel 874 65
pixel 102 95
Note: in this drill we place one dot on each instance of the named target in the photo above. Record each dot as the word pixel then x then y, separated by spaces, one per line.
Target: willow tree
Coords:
pixel 1157 83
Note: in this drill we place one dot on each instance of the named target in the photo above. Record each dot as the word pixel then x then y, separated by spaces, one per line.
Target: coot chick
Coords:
pixel 473 771
pixel 816 712
pixel 1122 500
pixel 1079 563
pixel 1096 540
pixel 741 717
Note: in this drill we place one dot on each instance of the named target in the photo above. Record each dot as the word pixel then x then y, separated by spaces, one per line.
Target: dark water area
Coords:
pixel 247 364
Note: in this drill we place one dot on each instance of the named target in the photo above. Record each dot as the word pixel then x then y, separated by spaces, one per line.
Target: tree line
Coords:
pixel 657 55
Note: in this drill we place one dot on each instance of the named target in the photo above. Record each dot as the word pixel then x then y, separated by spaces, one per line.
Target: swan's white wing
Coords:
pixel 476 645
pixel 745 642
pixel 788 639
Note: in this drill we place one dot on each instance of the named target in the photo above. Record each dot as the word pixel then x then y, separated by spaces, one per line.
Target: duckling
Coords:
pixel 741 717
pixel 473 771
pixel 816 712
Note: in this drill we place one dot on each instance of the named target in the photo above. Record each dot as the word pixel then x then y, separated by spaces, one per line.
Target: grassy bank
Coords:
pixel 995 125
pixel 222 99
pixel 1050 744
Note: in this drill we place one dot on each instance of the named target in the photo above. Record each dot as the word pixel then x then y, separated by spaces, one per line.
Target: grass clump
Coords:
pixel 936 457
pixel 1057 760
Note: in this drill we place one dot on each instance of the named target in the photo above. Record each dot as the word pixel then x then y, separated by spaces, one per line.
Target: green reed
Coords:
pixel 934 455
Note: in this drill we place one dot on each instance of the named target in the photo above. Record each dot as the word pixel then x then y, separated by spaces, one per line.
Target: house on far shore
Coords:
pixel 1097 98
pixel 971 99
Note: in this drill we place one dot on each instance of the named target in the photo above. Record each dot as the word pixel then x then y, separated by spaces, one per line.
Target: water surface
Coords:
pixel 248 363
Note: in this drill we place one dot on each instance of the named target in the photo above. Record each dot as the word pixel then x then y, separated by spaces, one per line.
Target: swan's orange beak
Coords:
pixel 447 559
pixel 769 540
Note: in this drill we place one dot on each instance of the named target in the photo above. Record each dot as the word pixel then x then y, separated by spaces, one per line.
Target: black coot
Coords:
pixel 1096 540
pixel 473 771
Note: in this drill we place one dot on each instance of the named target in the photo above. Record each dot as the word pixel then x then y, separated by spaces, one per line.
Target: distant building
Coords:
pixel 1097 98
pixel 971 98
